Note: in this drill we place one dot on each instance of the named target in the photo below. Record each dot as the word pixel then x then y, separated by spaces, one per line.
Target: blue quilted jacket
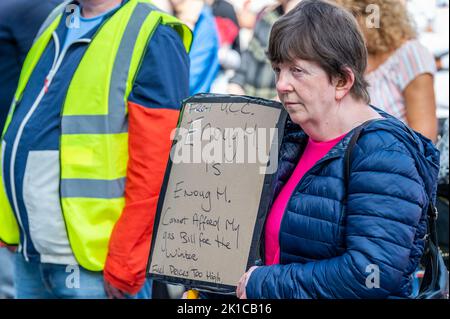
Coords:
pixel 368 247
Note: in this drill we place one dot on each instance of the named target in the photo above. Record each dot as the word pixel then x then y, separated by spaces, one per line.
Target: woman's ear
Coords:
pixel 344 84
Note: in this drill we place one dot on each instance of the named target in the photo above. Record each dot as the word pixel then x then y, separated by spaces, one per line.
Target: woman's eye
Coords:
pixel 297 70
pixel 276 70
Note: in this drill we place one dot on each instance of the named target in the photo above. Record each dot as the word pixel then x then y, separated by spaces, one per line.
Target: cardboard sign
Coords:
pixel 216 192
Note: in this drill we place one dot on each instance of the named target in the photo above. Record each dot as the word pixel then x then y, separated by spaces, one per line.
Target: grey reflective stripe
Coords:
pixel 123 60
pixel 10 112
pixel 52 16
pixel 116 121
pixel 94 124
pixel 12 106
pixel 93 188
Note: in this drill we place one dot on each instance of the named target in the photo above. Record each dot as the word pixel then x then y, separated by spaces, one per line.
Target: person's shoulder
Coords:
pixel 391 146
pixel 207 12
pixel 166 32
pixel 384 148
pixel 163 77
pixel 413 44
pixel 166 38
pixel 388 134
pixel 206 19
pixel 164 48
pixel 415 55
pixel 203 30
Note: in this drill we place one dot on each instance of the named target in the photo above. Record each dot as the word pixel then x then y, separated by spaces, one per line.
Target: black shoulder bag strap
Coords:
pixel 430 257
pixel 351 144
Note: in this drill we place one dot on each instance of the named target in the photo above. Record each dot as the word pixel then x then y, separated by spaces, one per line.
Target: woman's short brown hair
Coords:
pixel 322 32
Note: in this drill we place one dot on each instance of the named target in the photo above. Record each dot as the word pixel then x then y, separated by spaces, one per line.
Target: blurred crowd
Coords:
pixel 242 31
pixel 408 59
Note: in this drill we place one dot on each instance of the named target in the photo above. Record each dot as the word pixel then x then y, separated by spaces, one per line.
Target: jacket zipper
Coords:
pixel 48 79
pixel 87 41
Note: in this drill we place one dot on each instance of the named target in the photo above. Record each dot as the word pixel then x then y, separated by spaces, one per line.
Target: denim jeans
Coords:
pixel 6 274
pixel 36 280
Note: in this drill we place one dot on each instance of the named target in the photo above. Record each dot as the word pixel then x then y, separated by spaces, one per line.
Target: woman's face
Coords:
pixel 305 90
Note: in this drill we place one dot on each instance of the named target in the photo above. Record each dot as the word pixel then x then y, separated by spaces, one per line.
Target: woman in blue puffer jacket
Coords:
pixel 324 237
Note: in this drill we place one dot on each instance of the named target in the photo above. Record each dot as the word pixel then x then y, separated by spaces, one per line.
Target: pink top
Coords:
pixel 313 153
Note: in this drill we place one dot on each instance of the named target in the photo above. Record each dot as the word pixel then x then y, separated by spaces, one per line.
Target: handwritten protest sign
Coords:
pixel 215 195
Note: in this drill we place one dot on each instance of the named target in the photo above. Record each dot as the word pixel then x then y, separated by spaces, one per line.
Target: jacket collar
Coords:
pixel 294 133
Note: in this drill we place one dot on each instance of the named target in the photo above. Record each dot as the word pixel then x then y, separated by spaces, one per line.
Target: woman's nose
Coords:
pixel 283 85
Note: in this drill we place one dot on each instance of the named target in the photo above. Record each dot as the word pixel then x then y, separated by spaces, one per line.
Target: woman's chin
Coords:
pixel 298 118
pixel 291 108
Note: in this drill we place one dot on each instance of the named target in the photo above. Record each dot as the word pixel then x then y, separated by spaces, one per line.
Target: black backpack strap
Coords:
pixel 351 144
pixel 430 257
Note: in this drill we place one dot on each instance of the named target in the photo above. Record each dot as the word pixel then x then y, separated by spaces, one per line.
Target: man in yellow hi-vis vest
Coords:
pixel 85 147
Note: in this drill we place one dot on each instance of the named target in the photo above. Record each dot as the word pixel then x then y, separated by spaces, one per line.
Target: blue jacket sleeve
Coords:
pixel 204 54
pixel 384 218
pixel 163 78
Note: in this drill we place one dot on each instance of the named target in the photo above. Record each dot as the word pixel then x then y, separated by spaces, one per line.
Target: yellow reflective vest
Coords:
pixel 94 127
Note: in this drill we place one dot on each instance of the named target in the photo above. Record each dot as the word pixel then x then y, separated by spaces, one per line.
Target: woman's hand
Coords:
pixel 113 292
pixel 242 284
